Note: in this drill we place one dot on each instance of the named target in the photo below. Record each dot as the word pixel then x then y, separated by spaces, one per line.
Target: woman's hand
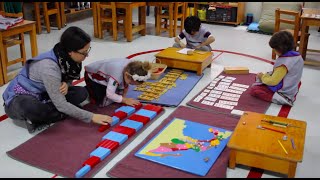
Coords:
pixel 64 88
pixel 101 119
pixel 130 101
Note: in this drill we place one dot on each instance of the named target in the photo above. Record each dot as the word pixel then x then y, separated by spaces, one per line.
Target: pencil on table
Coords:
pixel 282 147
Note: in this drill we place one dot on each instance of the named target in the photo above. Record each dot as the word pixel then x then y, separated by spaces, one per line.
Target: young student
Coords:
pixel 107 81
pixel 197 36
pixel 42 92
pixel 282 84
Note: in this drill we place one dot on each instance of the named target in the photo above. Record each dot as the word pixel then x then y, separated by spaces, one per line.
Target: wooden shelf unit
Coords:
pixel 238 5
pixel 64 14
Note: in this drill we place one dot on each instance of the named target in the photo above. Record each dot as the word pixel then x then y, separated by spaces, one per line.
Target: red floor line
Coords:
pixel 54 176
pixel 3 117
pixel 255 172
pixel 217 56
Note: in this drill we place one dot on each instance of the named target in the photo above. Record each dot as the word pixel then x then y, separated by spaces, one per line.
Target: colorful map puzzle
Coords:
pixel 186 145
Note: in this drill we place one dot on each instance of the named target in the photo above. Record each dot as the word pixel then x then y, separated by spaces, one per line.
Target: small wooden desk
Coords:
pixel 195 62
pixel 23 27
pixel 309 17
pixel 128 6
pixel 258 148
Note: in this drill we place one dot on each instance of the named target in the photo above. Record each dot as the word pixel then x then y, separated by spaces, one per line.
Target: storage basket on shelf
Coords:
pixel 157 69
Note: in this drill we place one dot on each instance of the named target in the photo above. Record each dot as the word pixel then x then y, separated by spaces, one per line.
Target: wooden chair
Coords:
pixel 16 39
pixel 171 16
pixel 112 18
pixel 46 12
pixel 295 21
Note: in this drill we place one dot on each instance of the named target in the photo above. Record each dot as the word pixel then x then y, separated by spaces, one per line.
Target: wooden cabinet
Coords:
pixel 236 8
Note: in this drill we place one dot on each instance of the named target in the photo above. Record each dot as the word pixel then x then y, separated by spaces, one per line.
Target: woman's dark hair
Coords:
pixel 192 24
pixel 282 42
pixel 74 38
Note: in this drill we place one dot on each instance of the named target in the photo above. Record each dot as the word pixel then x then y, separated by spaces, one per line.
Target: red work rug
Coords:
pixel 135 167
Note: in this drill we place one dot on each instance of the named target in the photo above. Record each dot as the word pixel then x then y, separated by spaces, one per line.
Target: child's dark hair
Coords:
pixel 282 42
pixel 74 38
pixel 192 24
pixel 140 68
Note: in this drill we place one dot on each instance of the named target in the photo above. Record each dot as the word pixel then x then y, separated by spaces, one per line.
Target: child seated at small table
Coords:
pixel 197 36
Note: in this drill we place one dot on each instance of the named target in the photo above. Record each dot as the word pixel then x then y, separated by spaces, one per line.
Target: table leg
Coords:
pixel 302 39
pixel 33 41
pixel 2 59
pixel 292 169
pixel 95 19
pixel 199 71
pixel 129 24
pixel 232 159
pixel 37 16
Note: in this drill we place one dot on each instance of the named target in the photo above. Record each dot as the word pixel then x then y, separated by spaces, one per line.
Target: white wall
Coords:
pixel 256 8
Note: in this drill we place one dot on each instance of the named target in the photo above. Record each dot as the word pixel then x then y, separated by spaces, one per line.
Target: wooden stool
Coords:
pixel 114 18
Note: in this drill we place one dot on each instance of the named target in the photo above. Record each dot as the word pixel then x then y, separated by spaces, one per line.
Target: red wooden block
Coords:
pixel 154 108
pixel 107 143
pixel 120 114
pixel 103 127
pixel 124 130
pixel 92 161
pixel 139 118
pixel 137 107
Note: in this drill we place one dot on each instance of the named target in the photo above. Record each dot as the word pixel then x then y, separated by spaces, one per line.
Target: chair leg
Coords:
pixel 46 17
pixel 124 29
pixel 114 24
pixel 170 20
pixel 175 19
pixel 158 21
pixel 4 65
pixel 99 23
pixel 114 30
pixel 58 17
pixel 155 15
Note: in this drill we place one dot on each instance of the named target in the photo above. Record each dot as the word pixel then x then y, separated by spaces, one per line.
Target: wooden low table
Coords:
pixel 258 148
pixel 195 62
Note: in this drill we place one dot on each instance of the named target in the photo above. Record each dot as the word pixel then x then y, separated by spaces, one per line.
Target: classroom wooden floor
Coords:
pixel 241 45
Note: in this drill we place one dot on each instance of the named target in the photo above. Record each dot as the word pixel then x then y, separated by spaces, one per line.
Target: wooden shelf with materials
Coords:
pixel 239 6
pixel 65 11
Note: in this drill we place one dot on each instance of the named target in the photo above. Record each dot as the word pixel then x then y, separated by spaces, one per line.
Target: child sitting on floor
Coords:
pixel 197 37
pixel 282 84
